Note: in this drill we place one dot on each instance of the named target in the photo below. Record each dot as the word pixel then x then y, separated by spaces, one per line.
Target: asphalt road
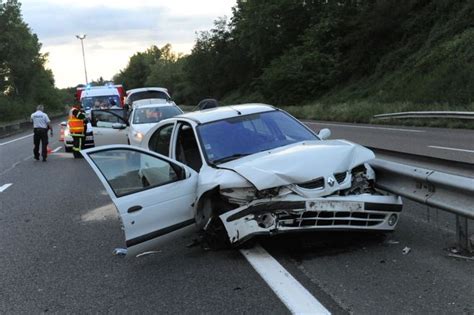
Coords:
pixel 58 229
pixel 451 144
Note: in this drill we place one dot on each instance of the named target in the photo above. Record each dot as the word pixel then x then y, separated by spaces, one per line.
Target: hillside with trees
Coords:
pixel 24 80
pixel 327 59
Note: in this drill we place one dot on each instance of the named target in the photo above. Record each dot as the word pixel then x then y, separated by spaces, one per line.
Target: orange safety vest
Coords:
pixel 76 125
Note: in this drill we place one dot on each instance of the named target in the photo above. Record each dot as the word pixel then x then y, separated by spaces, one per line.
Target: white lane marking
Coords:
pixel 57 149
pixel 15 140
pixel 452 149
pixel 365 127
pixel 4 187
pixel 288 289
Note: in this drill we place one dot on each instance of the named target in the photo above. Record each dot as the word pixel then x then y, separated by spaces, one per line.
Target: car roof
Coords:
pixel 145 89
pixel 224 112
pixel 152 101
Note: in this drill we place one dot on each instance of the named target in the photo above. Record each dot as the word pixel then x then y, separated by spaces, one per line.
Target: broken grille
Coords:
pixel 331 218
pixel 340 177
pixel 314 184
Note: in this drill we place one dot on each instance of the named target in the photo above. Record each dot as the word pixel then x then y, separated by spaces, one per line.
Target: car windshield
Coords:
pixel 232 138
pixel 154 114
pixel 100 102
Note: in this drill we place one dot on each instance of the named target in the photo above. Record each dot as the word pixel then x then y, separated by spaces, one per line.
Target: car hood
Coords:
pixel 299 163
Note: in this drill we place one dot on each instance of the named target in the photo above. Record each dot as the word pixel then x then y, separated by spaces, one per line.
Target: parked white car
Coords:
pixel 237 172
pixel 145 115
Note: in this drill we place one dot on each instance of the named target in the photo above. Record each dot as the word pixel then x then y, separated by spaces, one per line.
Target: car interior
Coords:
pixel 105 119
pixel 187 150
pixel 160 140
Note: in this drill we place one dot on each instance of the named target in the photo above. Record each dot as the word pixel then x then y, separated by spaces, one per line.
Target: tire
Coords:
pixel 67 149
pixel 216 235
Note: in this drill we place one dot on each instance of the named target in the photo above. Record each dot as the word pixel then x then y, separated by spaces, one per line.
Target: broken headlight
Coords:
pixel 362 180
pixel 238 195
pixel 268 193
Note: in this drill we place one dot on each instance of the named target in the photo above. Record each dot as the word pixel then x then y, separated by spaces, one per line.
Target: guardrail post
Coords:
pixel 462 233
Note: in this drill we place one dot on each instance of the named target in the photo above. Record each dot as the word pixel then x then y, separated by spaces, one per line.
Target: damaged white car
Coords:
pixel 237 172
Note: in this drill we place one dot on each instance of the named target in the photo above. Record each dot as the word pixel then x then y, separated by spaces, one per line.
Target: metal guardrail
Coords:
pixel 430 114
pixel 444 191
pixel 8 129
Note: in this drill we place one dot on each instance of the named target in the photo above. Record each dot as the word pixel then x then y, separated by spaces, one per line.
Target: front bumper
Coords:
pixel 89 142
pixel 294 214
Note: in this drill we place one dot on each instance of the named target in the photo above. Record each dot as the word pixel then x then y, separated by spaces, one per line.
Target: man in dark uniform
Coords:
pixel 77 128
pixel 41 125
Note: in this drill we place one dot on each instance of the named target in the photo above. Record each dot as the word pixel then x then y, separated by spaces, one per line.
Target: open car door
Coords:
pixel 153 194
pixel 109 127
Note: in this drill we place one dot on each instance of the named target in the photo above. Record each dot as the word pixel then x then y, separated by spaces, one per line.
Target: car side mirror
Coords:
pixel 180 172
pixel 119 126
pixel 324 134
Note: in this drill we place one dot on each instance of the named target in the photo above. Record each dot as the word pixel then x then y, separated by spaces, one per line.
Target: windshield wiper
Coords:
pixel 230 158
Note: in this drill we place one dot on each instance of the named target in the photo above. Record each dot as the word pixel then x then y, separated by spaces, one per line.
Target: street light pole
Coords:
pixel 82 37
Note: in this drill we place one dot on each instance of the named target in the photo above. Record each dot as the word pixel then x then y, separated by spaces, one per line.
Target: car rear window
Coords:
pixel 150 115
pixel 147 95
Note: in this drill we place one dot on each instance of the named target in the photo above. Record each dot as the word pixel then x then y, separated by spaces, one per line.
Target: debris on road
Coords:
pixel 120 252
pixel 454 250
pixel 406 250
pixel 461 256
pixel 193 243
pixel 392 242
pixel 151 252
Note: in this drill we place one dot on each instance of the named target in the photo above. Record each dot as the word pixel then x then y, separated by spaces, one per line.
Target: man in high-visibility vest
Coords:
pixel 77 129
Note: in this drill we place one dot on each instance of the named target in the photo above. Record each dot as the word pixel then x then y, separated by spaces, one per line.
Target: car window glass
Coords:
pixel 187 150
pixel 129 171
pixel 147 95
pixel 148 115
pixel 285 126
pixel 248 134
pixel 100 102
pixel 160 140
pixel 257 126
pixel 105 119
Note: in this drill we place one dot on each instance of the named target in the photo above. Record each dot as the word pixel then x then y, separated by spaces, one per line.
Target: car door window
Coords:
pixel 160 140
pixel 187 150
pixel 104 119
pixel 129 171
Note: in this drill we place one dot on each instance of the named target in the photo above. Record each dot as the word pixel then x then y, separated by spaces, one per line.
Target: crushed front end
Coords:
pixel 339 201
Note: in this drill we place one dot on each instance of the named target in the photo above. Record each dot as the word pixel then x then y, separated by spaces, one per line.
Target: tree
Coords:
pixel 138 68
pixel 24 80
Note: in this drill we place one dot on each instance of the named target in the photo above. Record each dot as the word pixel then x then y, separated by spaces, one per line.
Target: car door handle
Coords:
pixel 134 209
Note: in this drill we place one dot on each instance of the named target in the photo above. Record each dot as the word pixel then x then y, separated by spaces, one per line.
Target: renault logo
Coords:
pixel 331 181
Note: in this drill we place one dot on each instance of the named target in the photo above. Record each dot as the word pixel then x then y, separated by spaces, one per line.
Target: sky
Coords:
pixel 115 31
